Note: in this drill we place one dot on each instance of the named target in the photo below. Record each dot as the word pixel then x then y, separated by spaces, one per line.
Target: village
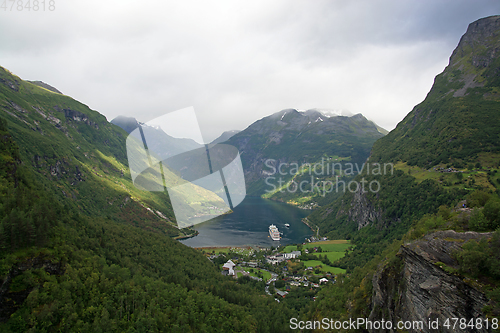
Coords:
pixel 293 271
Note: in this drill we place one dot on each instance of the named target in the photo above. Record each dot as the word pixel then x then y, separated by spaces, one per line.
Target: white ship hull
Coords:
pixel 274 232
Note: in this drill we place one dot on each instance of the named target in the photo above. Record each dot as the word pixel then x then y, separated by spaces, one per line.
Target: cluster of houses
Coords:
pixel 313 239
pixel 297 281
pixel 446 169
pixel 302 281
pixel 280 257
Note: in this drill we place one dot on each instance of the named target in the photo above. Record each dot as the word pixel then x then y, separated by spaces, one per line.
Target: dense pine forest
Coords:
pixel 64 271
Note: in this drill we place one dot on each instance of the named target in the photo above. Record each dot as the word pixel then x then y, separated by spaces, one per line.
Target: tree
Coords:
pixel 477 198
pixel 279 284
pixel 477 221
pixel 444 212
pixel 492 212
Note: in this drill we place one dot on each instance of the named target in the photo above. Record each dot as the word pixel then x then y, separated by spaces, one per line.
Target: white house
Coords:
pixel 229 266
pixel 292 255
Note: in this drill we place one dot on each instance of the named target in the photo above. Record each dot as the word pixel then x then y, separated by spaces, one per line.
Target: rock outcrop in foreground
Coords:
pixel 417 288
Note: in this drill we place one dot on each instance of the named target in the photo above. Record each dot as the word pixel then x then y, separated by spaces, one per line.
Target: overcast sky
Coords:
pixel 238 61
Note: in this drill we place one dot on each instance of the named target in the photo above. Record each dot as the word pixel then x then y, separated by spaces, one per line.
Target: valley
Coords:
pixel 413 236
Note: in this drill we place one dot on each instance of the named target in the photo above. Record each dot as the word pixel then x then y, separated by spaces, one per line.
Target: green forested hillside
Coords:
pixel 444 177
pixel 80 251
pixel 445 148
pixel 459 118
pixel 474 261
pixel 78 156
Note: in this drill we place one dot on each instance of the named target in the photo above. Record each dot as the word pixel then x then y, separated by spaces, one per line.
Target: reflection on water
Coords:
pixel 249 225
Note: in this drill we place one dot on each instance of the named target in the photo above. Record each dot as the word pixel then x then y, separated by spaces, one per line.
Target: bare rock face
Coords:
pixel 480 40
pixel 362 211
pixel 415 288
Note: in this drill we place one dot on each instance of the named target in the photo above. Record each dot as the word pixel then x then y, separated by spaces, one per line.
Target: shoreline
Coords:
pixel 247 247
pixel 306 222
pixel 297 205
pixel 187 236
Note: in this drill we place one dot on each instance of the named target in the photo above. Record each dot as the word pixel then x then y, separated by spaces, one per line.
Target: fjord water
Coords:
pixel 249 225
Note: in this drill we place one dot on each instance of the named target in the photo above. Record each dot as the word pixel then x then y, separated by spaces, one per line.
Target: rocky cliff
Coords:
pixel 416 286
pixel 361 210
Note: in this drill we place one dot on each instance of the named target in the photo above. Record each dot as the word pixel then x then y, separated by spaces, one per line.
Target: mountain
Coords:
pixel 458 120
pixel 73 151
pixel 225 136
pixel 82 249
pixel 446 146
pixel 158 140
pixel 427 239
pixel 128 124
pixel 291 139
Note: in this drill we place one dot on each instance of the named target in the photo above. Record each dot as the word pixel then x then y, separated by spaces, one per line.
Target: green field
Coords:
pixel 290 248
pixel 333 249
pixel 450 179
pixel 325 268
pixel 266 275
pixel 332 256
pixel 327 246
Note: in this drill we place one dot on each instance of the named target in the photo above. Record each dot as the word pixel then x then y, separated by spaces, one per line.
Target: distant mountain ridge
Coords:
pixel 292 136
pixel 225 136
pixel 128 124
pixel 158 141
pixel 287 136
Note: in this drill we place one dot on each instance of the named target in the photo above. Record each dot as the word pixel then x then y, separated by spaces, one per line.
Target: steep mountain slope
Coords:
pixel 440 148
pixel 423 284
pixel 291 138
pixel 68 260
pixel 78 156
pixel 459 118
pixel 423 253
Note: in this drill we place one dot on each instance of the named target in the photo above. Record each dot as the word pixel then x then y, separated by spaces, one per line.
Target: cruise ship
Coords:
pixel 274 233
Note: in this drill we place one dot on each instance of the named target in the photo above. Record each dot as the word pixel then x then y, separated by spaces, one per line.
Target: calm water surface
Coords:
pixel 249 225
